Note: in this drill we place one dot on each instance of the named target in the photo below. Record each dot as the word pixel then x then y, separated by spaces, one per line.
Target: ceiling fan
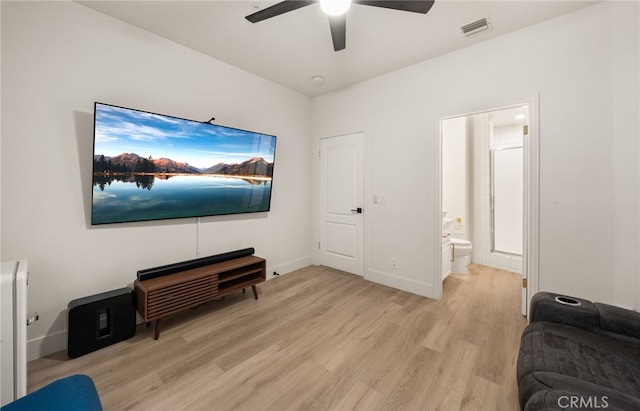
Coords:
pixel 336 10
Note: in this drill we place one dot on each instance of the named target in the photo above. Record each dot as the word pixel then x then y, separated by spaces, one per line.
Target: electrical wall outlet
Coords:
pixel 32 318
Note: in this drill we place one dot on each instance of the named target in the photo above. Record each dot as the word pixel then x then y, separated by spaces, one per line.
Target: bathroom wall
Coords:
pixel 456 187
pixel 483 134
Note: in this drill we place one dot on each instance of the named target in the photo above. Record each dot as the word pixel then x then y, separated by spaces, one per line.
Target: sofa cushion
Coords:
pixel 555 356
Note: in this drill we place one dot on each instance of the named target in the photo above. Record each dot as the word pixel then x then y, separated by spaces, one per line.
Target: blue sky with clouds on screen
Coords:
pixel 120 130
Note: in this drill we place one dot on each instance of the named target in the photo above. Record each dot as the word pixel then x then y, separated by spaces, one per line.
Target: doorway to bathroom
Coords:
pixel 488 169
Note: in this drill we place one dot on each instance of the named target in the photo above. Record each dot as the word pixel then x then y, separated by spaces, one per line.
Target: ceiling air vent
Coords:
pixel 475 27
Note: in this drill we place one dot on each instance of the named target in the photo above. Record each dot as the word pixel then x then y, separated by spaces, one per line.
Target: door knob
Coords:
pixel 357 210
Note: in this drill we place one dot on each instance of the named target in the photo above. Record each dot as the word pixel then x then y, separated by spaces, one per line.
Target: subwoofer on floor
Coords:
pixel 100 320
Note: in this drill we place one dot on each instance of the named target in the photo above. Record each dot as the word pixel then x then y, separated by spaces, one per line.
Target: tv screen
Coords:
pixel 149 166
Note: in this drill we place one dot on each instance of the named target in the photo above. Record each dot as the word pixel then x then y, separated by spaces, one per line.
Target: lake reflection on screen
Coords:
pixel 178 196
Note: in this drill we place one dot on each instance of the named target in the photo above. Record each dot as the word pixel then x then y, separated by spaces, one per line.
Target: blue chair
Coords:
pixel 73 393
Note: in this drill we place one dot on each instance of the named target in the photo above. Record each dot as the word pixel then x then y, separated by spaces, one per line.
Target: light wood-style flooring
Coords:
pixel 319 339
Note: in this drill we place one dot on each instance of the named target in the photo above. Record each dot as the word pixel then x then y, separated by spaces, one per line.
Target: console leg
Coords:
pixel 255 291
pixel 157 329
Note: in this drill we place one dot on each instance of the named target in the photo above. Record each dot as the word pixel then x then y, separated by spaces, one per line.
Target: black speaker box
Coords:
pixel 100 320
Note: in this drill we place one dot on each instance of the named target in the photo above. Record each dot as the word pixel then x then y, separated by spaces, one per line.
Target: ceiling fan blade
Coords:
pixel 338 26
pixel 278 9
pixel 414 6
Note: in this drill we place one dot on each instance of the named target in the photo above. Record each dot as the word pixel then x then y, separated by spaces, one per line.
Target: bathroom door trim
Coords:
pixel 531 201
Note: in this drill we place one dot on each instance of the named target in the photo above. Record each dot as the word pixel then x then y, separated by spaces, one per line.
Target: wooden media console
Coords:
pixel 162 296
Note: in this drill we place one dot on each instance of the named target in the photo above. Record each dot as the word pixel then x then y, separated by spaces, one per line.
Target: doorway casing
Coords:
pixel 531 188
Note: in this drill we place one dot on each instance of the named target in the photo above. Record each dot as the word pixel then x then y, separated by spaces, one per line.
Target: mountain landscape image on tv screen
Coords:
pixel 149 166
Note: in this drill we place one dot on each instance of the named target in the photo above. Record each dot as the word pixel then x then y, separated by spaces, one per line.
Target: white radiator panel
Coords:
pixel 13 330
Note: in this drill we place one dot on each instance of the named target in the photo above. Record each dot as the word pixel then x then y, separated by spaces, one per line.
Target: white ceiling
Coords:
pixel 292 48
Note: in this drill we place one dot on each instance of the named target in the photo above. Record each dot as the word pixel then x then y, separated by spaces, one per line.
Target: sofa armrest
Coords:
pixel 608 320
pixel 560 309
pixel 74 393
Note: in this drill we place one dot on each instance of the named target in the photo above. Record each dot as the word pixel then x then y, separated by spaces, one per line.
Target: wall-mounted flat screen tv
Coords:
pixel 149 166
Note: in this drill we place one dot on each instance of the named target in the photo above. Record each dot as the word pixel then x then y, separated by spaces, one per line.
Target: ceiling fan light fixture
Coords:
pixel 335 7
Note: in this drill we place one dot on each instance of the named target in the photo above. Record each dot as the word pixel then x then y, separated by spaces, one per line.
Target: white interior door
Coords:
pixel 341 203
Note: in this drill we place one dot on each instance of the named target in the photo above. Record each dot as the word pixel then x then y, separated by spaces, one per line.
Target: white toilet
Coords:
pixel 461 250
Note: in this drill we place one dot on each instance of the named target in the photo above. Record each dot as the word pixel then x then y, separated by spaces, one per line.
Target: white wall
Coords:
pixel 456 189
pixel 60 57
pixel 584 67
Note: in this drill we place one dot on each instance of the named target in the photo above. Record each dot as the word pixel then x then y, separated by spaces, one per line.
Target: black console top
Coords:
pixel 149 273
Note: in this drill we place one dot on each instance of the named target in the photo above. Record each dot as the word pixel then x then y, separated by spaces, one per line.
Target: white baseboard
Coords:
pixel 401 283
pixel 288 267
pixel 48 344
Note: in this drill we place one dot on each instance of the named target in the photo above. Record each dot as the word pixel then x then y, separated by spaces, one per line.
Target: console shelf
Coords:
pixel 160 297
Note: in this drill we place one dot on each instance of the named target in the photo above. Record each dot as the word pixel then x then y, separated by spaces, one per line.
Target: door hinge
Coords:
pixel 525 130
pixel 318 245
pixel 524 283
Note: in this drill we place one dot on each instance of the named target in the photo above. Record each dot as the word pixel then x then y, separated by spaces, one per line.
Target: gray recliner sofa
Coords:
pixel 579 355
